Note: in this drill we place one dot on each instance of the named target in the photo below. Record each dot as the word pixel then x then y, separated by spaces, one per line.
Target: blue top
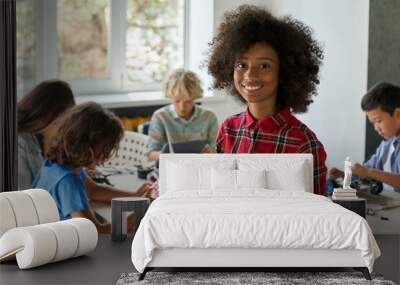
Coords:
pixel 203 125
pixel 65 186
pixel 378 159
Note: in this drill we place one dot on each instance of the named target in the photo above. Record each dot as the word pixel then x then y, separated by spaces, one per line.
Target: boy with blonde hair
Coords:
pixel 183 120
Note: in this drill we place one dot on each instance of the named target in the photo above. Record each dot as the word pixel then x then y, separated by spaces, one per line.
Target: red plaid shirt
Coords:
pixel 279 133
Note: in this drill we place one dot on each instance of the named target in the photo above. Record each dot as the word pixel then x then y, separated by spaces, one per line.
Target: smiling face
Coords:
pixel 386 125
pixel 256 75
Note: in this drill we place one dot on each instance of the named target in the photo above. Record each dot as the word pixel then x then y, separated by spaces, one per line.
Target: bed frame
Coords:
pixel 245 259
pixel 250 258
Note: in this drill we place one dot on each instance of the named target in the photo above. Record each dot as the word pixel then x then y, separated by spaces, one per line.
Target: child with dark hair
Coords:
pixel 271 65
pixel 37 117
pixel 87 136
pixel 382 105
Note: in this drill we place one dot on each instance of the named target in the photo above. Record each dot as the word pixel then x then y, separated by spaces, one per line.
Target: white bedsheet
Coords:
pixel 256 218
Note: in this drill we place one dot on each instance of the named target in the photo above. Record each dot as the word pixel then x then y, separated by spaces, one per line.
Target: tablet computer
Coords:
pixel 195 146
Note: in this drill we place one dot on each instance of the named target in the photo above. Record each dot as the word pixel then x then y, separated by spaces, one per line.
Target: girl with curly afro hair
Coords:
pixel 272 65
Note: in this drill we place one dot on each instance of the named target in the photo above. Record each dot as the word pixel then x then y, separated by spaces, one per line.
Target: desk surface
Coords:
pixel 390 224
pixel 127 182
pixel 104 265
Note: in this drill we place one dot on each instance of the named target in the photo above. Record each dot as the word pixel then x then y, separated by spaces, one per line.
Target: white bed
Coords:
pixel 220 211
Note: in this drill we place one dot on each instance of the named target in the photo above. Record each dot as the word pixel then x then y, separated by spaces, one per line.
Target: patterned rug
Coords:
pixel 243 278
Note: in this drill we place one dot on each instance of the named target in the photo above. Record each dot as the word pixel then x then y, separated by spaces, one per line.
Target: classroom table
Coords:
pixel 122 178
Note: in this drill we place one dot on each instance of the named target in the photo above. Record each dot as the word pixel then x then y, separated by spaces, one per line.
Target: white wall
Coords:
pixel 342 27
pixel 201 19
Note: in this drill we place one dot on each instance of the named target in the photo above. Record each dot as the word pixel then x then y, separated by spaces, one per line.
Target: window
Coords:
pixel 26 45
pixel 154 39
pixel 82 33
pixel 116 46
pixel 111 46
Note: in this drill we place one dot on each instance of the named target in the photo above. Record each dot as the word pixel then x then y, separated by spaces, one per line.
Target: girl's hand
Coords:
pixel 144 190
pixel 148 190
pixel 154 193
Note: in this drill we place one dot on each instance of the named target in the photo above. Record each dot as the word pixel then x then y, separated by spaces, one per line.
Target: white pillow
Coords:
pixel 293 179
pixel 223 179
pixel 186 175
pixel 236 179
pixel 281 174
pixel 251 178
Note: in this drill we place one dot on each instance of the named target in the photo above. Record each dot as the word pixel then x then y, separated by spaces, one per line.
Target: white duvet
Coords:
pixel 250 219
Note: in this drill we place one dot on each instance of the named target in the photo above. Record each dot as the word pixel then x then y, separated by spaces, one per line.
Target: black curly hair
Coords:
pixel 300 56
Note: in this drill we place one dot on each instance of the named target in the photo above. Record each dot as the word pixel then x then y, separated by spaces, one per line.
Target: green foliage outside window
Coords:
pixel 155 37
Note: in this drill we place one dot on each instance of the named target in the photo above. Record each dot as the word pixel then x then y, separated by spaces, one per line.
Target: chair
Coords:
pixel 144 128
pixel 31 233
pixel 132 151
